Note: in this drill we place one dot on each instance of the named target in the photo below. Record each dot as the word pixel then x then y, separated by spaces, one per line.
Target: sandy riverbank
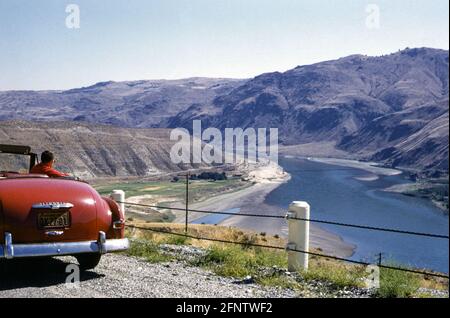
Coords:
pixel 420 190
pixel 265 179
pixel 373 169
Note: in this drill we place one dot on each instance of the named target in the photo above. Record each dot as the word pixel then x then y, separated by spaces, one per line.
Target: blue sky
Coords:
pixel 153 39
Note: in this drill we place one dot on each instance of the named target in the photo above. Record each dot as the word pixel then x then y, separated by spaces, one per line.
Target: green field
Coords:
pixel 163 193
pixel 198 189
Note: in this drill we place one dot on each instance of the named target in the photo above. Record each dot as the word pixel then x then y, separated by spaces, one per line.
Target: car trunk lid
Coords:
pixel 48 210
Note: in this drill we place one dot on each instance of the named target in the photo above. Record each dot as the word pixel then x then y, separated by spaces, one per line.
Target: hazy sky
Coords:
pixel 153 39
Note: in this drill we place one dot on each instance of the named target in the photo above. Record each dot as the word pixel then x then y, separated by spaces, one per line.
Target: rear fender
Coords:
pixel 117 229
pixel 2 222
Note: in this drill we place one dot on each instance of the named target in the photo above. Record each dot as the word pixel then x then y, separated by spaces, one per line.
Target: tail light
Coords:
pixel 118 225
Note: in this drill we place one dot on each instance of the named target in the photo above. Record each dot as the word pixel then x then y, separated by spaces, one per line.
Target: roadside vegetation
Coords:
pixel 269 266
pixel 395 283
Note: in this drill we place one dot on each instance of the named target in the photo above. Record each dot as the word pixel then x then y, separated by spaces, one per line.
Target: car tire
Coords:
pixel 3 268
pixel 88 261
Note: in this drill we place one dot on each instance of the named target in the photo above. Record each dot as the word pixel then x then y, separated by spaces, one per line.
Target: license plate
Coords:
pixel 47 220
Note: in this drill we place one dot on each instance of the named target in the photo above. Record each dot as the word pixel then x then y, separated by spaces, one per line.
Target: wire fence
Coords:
pixel 289 250
pixel 187 210
pixel 365 227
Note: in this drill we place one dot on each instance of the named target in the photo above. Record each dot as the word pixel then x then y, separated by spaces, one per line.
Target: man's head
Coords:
pixel 47 157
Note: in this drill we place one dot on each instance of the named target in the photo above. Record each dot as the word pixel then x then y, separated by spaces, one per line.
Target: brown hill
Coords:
pixel 92 151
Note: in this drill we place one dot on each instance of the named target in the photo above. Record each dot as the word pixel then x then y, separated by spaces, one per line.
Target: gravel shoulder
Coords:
pixel 123 276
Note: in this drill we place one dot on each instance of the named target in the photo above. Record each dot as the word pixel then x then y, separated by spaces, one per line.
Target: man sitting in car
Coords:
pixel 46 166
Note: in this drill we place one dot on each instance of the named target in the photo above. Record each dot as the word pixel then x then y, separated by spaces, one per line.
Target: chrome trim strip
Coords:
pixel 52 205
pixel 56 249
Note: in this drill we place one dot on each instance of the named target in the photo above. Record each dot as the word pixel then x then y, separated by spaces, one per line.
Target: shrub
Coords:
pixel 397 284
pixel 248 240
pixel 236 261
pixel 149 251
pixel 176 240
pixel 338 276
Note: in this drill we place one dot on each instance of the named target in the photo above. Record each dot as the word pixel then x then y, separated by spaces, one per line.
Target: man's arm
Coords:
pixel 53 173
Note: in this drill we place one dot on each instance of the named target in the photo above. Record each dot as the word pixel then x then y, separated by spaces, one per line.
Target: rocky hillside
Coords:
pixel 412 138
pixel 126 104
pixel 391 108
pixel 96 150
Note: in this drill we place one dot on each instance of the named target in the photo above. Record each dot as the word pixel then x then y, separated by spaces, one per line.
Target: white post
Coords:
pixel 298 237
pixel 119 197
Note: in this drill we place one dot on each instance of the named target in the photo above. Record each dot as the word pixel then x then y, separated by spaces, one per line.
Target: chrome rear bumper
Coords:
pixel 102 246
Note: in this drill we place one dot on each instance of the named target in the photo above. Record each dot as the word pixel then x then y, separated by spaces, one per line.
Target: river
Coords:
pixel 335 195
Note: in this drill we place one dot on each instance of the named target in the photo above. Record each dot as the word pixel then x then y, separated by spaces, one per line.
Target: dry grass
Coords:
pixel 241 260
pixel 207 231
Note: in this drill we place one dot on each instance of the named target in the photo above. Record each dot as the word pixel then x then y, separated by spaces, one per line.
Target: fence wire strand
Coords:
pixel 366 227
pixel 289 250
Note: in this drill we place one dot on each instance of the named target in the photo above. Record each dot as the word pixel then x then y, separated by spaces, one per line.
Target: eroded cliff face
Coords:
pixel 90 151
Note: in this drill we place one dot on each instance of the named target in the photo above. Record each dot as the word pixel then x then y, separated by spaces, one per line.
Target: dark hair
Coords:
pixel 47 156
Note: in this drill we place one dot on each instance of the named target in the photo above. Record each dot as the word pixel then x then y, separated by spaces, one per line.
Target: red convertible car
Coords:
pixel 42 216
